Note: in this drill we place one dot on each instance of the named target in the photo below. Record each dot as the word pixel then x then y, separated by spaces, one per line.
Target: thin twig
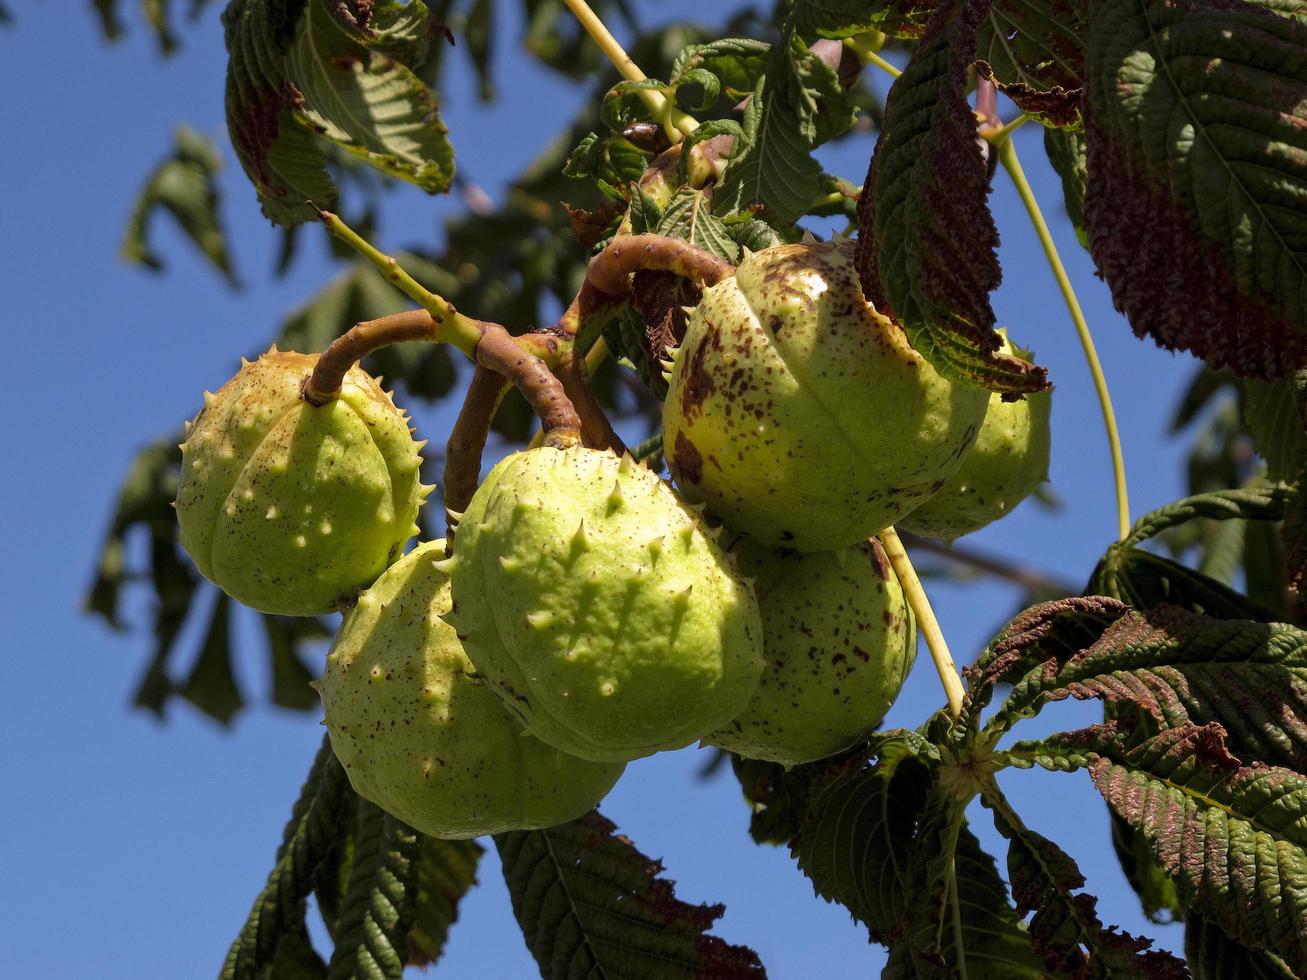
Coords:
pixel 467 439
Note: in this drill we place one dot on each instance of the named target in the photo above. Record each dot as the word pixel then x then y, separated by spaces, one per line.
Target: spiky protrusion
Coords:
pixel 261 516
pixel 568 606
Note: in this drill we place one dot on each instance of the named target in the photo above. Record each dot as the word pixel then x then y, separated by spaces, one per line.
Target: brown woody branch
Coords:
pixel 507 355
pixel 596 430
pixel 467 439
pixel 323 385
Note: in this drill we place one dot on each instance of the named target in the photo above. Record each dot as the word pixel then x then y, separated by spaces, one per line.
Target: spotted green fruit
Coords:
pixel 600 607
pixel 839 642
pixel 1005 464
pixel 799 414
pixel 293 508
pixel 422 738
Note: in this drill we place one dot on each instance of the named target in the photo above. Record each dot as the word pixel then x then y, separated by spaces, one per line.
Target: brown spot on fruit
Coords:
pixel 687 461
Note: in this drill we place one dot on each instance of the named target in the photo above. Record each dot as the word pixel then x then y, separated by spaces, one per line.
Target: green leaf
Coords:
pixel 184 186
pixel 927 249
pixel 211 687
pixel 1257 503
pixel 1270 411
pixel 1066 152
pixel 1197 173
pixel 777 797
pixel 378 909
pixel 689 215
pixel 796 105
pixel 302 67
pixel 590 903
pixel 309 838
pixel 1234 836
pixel 290 678
pixel 1156 891
pixel 858 826
pixel 447 869
pixel 736 62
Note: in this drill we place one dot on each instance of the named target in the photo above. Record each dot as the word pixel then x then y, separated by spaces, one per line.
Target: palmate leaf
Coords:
pixel 884 841
pixel 927 248
pixel 1198 174
pixel 183 185
pixel 381 900
pixel 302 67
pixel 1233 835
pixel 590 904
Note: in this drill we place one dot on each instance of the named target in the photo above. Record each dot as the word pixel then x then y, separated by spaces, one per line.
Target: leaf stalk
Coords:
pixel 1007 156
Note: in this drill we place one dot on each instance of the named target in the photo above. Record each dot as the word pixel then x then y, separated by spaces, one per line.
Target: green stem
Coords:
pixel 926 621
pixel 1007 156
pixel 450 326
pixel 956 901
pixel 677 123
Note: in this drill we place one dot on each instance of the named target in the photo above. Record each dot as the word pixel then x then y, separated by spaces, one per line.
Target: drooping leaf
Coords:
pixel 927 248
pixel 1233 835
pixel 589 903
pixel 303 67
pixel 379 904
pixel 310 835
pixel 1156 891
pixel 1064 929
pixel 211 686
pixel 1257 503
pixel 1197 173
pixel 290 677
pixel 447 869
pixel 777 797
pixel 183 185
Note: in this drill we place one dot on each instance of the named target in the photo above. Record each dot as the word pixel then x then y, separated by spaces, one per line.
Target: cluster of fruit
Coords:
pixel 586 613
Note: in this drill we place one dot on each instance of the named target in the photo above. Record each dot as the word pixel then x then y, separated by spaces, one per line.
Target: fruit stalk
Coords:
pixel 323 385
pixel 467 439
pixel 501 352
pixel 610 271
pixel 596 430
pixel 926 621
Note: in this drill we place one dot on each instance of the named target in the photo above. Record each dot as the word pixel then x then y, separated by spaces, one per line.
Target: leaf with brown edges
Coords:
pixel 927 247
pixel 1197 160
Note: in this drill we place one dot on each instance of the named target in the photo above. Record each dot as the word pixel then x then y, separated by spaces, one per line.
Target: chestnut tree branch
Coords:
pixel 467 440
pixel 323 385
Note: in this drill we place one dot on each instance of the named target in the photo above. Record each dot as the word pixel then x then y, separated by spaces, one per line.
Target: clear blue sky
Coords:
pixel 133 849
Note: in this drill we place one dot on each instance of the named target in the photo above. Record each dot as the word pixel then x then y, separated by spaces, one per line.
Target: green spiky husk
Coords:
pixel 293 508
pixel 840 641
pixel 420 737
pixel 799 414
pixel 600 606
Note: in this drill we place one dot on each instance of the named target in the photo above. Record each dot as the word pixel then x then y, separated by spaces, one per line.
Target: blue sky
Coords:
pixel 134 848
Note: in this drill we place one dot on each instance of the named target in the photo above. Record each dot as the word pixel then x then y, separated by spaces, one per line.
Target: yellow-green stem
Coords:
pixel 451 327
pixel 676 122
pixel 926 621
pixel 1007 156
